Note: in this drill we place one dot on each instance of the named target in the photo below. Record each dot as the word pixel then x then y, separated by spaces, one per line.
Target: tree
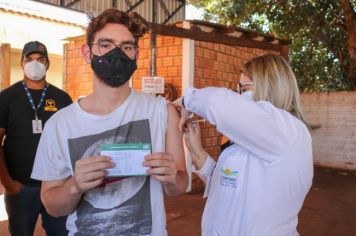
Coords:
pixel 350 23
pixel 323 49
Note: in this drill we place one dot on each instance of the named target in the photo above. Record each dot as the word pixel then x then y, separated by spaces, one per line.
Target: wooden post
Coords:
pixel 64 67
pixel 5 65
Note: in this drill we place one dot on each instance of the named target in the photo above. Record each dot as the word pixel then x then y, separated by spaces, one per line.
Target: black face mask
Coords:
pixel 114 67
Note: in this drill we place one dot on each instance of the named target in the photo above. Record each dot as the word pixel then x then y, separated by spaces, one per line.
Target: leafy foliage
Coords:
pixel 318 53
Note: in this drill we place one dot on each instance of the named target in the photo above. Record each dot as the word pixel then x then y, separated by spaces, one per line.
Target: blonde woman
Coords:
pixel 258 185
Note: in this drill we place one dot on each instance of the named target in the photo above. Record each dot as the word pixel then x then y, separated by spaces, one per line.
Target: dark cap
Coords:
pixel 34 46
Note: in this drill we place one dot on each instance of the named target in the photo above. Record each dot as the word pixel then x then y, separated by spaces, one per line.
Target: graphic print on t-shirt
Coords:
pixel 121 207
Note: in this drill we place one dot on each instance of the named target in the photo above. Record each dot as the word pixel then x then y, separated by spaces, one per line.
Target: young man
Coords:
pixel 68 159
pixel 24 109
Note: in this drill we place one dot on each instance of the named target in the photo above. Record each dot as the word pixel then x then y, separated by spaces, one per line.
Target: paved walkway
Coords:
pixel 329 209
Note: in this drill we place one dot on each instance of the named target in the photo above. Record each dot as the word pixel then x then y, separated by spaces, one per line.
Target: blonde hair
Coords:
pixel 275 82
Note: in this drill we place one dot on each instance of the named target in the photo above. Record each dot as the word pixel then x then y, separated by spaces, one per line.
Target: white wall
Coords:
pixel 18 29
pixel 334 143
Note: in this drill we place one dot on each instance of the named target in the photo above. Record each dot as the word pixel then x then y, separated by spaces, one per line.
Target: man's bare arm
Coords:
pixel 11 186
pixel 174 147
pixel 61 197
pixel 169 167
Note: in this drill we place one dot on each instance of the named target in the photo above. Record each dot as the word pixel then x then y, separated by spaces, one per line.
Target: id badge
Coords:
pixel 36 126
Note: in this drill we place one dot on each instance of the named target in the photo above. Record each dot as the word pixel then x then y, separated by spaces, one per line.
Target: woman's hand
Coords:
pixel 184 113
pixel 192 137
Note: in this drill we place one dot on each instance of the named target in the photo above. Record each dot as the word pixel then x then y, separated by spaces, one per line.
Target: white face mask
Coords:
pixel 34 70
pixel 247 94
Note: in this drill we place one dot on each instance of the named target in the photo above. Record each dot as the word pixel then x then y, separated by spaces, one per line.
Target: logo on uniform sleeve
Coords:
pixel 50 105
pixel 228 178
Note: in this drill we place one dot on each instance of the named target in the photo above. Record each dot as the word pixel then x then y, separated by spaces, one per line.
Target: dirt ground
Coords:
pixel 330 206
pixel 329 209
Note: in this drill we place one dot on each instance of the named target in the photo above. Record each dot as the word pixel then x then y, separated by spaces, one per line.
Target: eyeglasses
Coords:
pixel 241 87
pixel 105 46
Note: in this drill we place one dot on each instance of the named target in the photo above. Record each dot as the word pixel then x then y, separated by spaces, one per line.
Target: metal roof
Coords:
pixel 45 11
pixel 232 31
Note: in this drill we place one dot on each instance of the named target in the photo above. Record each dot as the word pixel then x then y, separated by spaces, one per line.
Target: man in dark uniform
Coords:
pixel 24 109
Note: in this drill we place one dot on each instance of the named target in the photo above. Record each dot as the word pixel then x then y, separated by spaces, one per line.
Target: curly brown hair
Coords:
pixel 133 21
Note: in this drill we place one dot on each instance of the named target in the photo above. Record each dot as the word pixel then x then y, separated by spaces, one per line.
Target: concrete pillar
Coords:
pixel 187 81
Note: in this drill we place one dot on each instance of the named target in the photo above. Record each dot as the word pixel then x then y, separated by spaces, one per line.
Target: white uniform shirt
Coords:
pixel 258 185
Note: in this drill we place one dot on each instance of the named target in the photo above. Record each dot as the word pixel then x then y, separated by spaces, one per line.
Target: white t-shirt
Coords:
pixel 128 206
pixel 258 185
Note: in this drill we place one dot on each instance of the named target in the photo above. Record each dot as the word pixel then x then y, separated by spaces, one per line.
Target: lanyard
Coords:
pixel 31 99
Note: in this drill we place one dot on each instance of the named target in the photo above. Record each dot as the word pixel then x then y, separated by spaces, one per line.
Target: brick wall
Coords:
pixel 78 75
pixel 334 143
pixel 143 63
pixel 168 61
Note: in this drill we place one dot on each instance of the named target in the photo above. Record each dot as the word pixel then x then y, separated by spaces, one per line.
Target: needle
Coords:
pixel 198 121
